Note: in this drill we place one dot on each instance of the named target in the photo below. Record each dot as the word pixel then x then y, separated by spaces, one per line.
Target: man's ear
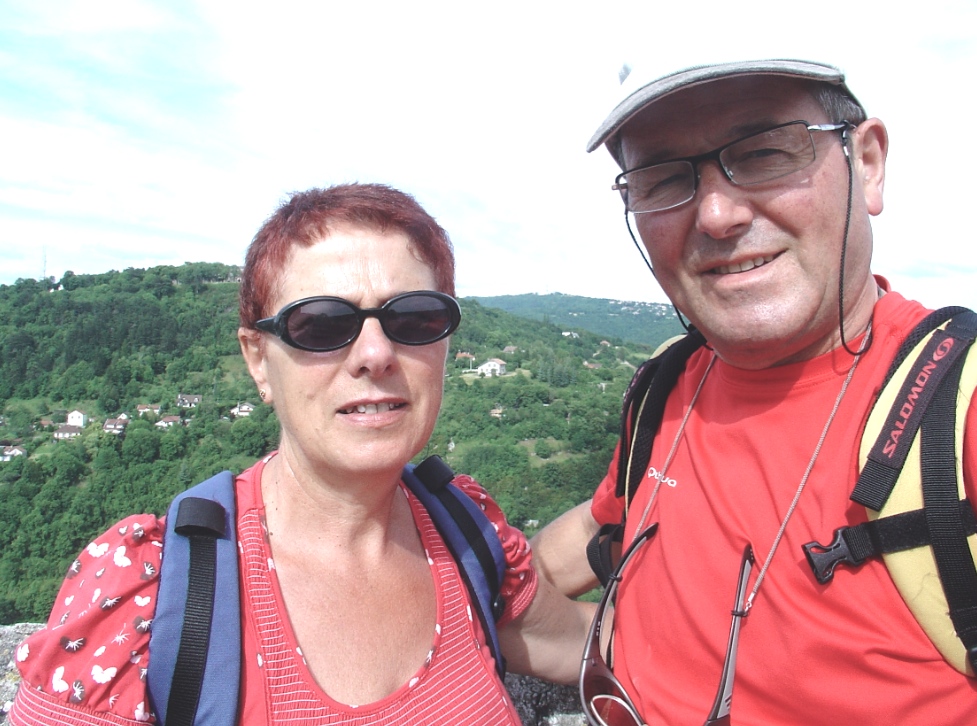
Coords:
pixel 253 350
pixel 870 144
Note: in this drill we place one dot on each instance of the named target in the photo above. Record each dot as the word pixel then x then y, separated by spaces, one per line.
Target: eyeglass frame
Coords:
pixel 621 184
pixel 593 664
pixel 277 324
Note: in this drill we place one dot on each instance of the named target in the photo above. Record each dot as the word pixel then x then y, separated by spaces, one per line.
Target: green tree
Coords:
pixel 248 437
pixel 141 446
pixel 543 449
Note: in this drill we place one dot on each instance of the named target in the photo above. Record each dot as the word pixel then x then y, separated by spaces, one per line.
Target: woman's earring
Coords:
pixel 262 394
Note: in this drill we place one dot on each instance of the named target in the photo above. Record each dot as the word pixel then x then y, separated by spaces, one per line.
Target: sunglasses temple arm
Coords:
pixel 719 714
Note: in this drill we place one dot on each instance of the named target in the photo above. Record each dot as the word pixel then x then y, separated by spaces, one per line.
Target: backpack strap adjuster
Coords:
pixel 853 545
pixel 845 548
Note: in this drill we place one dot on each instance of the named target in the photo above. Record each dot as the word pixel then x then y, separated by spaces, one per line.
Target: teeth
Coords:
pixel 372 408
pixel 743 266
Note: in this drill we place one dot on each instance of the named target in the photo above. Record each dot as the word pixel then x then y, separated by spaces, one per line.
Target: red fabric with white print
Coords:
pixel 87 668
pixel 93 654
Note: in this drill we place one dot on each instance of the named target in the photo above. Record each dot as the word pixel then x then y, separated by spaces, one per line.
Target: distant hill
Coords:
pixel 635 322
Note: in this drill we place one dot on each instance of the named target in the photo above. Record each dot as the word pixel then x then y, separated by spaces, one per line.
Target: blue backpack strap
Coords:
pixel 195 646
pixel 471 539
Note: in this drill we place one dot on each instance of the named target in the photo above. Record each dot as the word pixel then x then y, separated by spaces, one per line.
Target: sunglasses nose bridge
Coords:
pixel 379 314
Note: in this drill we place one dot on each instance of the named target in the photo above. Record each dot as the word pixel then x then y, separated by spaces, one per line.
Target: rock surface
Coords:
pixel 538 703
pixel 10 637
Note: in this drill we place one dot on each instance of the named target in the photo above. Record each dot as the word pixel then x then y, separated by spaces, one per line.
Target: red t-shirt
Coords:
pixel 844 653
pixel 88 666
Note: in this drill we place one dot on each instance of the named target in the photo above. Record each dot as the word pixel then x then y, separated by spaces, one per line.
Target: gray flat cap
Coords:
pixel 638 90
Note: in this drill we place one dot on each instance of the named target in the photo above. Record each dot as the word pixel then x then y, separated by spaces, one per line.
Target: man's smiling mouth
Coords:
pixel 742 266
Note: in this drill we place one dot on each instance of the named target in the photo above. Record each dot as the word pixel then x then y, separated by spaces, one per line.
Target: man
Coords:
pixel 751 186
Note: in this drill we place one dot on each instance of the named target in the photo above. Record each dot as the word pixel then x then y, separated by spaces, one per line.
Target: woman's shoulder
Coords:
pixel 94 652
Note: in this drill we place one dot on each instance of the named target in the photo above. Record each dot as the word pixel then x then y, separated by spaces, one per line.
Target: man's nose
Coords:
pixel 721 206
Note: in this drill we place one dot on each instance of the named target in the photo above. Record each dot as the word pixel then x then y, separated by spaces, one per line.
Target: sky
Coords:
pixel 137 133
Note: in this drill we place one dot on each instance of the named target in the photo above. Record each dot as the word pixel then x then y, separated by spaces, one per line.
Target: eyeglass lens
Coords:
pixel 612 710
pixel 761 157
pixel 327 323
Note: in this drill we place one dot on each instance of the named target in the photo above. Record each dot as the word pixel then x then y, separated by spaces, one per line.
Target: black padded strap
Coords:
pixel 600 550
pixel 435 473
pixel 201 521
pixel 948 533
pixel 640 422
pixel 888 454
pixel 925 326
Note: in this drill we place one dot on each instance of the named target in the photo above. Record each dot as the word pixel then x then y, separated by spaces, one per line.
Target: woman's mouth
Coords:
pixel 371 408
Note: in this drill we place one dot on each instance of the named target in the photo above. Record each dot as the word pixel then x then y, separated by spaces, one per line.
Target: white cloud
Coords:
pixel 148 133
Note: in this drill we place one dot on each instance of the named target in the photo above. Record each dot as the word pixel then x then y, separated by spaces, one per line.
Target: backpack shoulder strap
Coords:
pixel 912 486
pixel 644 407
pixel 641 415
pixel 195 646
pixel 471 538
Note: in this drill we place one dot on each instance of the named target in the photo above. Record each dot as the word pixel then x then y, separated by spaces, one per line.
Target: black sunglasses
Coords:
pixel 605 701
pixel 324 323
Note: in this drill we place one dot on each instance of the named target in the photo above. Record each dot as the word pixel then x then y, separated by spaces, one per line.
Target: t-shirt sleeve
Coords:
pixel 606 506
pixel 519 583
pixel 88 665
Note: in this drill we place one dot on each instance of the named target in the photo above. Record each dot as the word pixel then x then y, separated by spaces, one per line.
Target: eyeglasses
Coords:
pixel 605 701
pixel 754 159
pixel 324 323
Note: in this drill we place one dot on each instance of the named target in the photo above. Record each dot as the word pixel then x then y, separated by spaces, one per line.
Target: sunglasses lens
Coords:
pixel 611 710
pixel 418 319
pixel 323 324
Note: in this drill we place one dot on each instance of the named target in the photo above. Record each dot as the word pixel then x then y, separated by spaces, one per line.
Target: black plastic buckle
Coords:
pixel 823 559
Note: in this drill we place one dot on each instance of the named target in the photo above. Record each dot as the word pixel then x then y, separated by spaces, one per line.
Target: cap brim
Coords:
pixel 647 92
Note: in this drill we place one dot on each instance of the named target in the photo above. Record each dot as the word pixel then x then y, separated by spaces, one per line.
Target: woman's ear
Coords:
pixel 870 144
pixel 253 349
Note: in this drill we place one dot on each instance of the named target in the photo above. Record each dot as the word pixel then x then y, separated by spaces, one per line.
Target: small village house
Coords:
pixel 78 418
pixel 66 431
pixel 242 410
pixel 188 400
pixel 492 367
pixel 9 452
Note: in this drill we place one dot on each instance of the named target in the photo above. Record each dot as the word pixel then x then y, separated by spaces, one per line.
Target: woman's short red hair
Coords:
pixel 307 217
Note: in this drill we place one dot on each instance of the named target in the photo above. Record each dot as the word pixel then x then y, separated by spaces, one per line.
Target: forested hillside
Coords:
pixel 631 322
pixel 126 349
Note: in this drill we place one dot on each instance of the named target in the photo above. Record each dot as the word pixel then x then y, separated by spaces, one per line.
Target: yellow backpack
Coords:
pixel 911 484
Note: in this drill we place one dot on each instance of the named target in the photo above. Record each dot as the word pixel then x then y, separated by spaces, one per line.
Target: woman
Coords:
pixel 352 609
